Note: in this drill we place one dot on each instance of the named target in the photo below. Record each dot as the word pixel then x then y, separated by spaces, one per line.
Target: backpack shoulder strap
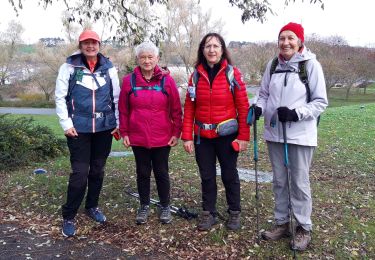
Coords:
pixel 195 78
pixel 302 73
pixel 229 73
pixel 274 64
pixel 162 83
pixel 108 77
pixel 133 85
pixel 76 75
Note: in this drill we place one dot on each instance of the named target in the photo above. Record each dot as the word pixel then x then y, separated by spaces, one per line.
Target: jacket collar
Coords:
pixel 157 75
pixel 78 60
pixel 203 71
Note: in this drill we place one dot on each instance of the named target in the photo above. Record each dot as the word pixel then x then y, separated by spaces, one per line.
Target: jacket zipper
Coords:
pixel 93 107
pixel 211 83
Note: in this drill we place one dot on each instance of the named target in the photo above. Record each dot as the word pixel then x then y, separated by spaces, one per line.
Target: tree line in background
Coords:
pixel 133 21
pixel 34 68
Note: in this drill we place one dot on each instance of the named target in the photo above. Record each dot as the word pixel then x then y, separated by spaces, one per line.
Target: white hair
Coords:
pixel 146 46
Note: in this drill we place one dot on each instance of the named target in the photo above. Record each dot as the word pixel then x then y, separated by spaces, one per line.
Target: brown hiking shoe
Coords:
pixel 301 240
pixel 277 232
pixel 207 220
pixel 234 221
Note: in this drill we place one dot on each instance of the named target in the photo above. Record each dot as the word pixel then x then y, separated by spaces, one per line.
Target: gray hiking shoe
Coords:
pixel 301 240
pixel 234 221
pixel 207 220
pixel 277 232
pixel 142 214
pixel 165 215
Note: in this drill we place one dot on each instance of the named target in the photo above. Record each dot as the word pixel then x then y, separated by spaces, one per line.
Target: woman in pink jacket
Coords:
pixel 150 122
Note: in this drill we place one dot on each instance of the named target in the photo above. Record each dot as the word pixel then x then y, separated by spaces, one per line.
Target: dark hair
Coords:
pixel 200 57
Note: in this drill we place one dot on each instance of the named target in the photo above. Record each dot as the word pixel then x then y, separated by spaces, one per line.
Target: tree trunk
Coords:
pixel 347 93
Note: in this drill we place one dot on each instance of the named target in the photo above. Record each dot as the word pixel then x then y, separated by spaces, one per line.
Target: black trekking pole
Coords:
pixel 182 211
pixel 253 121
pixel 286 163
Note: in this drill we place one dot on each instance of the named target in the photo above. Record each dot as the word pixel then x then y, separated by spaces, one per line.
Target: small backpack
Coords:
pixel 134 87
pixel 302 73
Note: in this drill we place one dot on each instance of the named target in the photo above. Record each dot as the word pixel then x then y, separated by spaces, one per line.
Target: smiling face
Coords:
pixel 212 51
pixel 288 44
pixel 147 61
pixel 89 48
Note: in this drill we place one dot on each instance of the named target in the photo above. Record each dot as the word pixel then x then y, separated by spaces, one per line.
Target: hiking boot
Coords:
pixel 234 221
pixel 142 214
pixel 301 240
pixel 165 215
pixel 68 228
pixel 96 214
pixel 277 232
pixel 207 220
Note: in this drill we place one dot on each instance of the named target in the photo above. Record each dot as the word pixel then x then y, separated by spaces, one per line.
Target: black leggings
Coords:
pixel 157 160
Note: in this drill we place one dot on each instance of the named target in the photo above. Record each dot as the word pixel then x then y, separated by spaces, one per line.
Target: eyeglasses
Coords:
pixel 214 46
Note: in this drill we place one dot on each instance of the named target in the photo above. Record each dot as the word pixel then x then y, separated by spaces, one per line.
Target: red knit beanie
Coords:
pixel 296 28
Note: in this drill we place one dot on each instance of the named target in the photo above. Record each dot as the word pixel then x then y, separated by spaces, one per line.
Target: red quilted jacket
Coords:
pixel 216 104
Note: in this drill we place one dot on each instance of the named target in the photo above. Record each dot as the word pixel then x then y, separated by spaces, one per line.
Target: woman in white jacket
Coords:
pixel 86 95
pixel 284 98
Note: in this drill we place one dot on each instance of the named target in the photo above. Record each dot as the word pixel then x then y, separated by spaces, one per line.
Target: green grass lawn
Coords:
pixel 337 96
pixel 342 179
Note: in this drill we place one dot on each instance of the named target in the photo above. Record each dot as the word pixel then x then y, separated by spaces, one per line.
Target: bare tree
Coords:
pixel 43 65
pixel 328 51
pixel 252 59
pixel 9 42
pixel 186 24
pixel 71 30
pixel 128 21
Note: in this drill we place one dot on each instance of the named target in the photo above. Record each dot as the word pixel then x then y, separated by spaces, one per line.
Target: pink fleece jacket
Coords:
pixel 150 118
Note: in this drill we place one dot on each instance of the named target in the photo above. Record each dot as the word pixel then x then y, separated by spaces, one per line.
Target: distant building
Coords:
pixel 238 44
pixel 51 42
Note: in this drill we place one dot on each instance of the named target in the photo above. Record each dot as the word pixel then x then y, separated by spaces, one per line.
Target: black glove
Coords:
pixel 286 115
pixel 257 112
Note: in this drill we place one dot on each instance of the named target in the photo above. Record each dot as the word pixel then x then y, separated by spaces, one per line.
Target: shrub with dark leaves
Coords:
pixel 22 142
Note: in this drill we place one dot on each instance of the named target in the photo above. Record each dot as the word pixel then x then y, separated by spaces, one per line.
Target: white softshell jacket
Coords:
pixel 286 89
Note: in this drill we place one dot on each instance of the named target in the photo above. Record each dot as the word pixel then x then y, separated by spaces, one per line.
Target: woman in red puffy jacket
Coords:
pixel 210 101
pixel 150 122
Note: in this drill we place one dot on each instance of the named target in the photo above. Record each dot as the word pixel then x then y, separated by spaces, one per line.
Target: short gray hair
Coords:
pixel 146 46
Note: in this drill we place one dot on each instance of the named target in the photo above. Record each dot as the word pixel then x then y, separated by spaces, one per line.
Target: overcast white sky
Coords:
pixel 354 20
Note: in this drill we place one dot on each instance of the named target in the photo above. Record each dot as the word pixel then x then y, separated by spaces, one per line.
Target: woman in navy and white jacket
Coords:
pixel 283 100
pixel 87 91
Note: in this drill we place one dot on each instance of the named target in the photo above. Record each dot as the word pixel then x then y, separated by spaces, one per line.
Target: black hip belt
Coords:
pixel 204 127
pixel 95 115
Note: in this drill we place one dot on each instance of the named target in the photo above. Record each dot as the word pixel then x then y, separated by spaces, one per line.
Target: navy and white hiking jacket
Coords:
pixel 91 103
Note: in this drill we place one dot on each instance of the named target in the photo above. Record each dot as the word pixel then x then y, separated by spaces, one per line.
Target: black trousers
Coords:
pixel 157 160
pixel 88 155
pixel 206 153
